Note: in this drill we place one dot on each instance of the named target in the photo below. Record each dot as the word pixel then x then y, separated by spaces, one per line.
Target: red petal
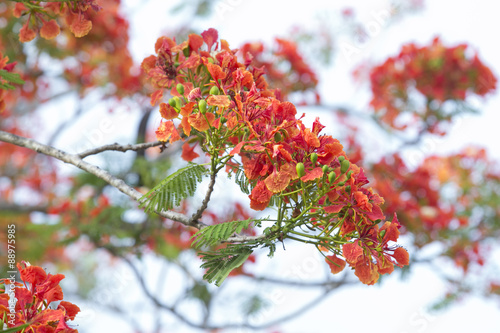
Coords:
pixel 50 29
pixel 32 274
pixel 401 256
pixel 71 309
pixel 156 96
pixel 312 175
pixel 219 100
pixel 210 36
pixel 216 71
pixel 336 264
pixel 167 111
pixel 366 272
pixel 195 42
pixel 188 153
pixel 277 181
pixel 352 253
pixel 199 122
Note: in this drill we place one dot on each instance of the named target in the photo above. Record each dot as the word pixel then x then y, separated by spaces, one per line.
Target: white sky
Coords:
pixel 395 306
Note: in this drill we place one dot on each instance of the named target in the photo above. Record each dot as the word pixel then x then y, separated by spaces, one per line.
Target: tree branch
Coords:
pixel 204 204
pixel 96 171
pixel 119 147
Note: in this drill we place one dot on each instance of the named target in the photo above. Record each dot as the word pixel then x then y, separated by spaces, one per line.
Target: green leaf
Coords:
pixel 14 329
pixel 219 264
pixel 11 78
pixel 213 234
pixel 176 187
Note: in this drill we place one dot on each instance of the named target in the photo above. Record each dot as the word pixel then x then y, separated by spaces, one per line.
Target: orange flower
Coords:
pixel 49 29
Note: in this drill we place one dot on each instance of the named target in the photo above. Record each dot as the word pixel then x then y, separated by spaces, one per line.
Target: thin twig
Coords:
pixel 119 147
pixel 204 204
pixel 96 171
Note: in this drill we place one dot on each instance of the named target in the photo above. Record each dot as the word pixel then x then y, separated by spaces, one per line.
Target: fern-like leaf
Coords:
pixel 213 234
pixel 170 191
pixel 219 264
pixel 241 179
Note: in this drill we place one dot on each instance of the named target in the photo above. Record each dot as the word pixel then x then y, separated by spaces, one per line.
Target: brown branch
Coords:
pixel 119 147
pixel 12 207
pixel 96 171
pixel 204 204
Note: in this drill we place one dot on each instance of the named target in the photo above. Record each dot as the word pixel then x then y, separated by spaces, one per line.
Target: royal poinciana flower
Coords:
pixel 34 297
pixel 227 108
pixel 40 18
pixel 438 73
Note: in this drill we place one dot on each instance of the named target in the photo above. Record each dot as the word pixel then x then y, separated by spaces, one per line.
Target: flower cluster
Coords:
pixel 34 296
pixel 227 108
pixel 437 72
pixel 40 18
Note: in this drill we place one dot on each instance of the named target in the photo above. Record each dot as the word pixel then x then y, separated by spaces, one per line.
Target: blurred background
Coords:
pixel 431 155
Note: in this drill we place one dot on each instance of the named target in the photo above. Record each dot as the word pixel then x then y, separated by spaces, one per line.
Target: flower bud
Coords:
pixel 180 88
pixel 314 158
pixel 214 90
pixel 300 169
pixel 277 137
pixel 202 105
pixel 331 177
pixel 172 102
pixel 344 166
pixel 325 169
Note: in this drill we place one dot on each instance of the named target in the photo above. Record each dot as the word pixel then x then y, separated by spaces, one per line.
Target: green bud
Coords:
pixel 344 166
pixel 172 102
pixel 341 158
pixel 180 88
pixel 177 102
pixel 348 188
pixel 202 105
pixel 300 169
pixel 277 137
pixel 331 177
pixel 223 120
pixel 314 158
pixel 349 174
pixel 214 90
pixel 382 233
pixel 325 169
pixel 211 60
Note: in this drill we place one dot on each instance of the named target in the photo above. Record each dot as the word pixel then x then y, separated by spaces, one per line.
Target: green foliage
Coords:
pixel 219 264
pixel 169 193
pixel 10 78
pixel 211 235
pixel 242 181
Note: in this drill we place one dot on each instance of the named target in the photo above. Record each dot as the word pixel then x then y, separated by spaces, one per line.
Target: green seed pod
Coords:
pixel 341 158
pixel 325 169
pixel 344 166
pixel 214 90
pixel 172 102
pixel 180 88
pixel 177 102
pixel 300 169
pixel 331 177
pixel 277 137
pixel 314 158
pixel 202 105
